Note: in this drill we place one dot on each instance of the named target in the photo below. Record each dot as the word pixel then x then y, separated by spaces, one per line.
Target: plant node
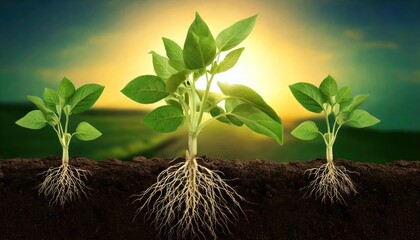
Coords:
pixel 190 201
pixel 64 184
pixel 330 183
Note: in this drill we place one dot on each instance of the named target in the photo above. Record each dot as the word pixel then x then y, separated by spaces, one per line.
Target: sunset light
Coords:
pixel 273 57
pixel 292 41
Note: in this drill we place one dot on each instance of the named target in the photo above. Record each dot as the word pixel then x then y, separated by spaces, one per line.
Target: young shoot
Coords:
pixel 64 183
pixel 339 108
pixel 189 200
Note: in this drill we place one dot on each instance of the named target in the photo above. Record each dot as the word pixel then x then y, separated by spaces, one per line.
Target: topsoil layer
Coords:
pixel 387 205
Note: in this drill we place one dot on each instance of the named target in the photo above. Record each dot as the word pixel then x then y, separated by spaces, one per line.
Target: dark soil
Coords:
pixel 386 207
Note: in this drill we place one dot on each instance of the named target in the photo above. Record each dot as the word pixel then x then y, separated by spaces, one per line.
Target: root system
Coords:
pixel 330 182
pixel 64 184
pixel 190 201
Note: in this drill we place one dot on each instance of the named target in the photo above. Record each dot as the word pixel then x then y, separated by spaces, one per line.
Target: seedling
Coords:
pixel 189 200
pixel 330 181
pixel 64 183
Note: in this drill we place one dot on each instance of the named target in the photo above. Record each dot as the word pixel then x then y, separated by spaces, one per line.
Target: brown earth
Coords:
pixel 386 207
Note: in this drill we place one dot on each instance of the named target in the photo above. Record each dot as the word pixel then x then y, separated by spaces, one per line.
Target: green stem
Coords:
pixel 328 122
pixel 329 153
pixel 67 124
pixel 331 139
pixel 65 144
pixel 65 157
pixel 206 94
pixel 192 144
pixel 185 109
pixel 211 120
pixel 195 117
pixel 336 131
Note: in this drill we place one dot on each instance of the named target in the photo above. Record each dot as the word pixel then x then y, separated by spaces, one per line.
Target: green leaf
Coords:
pixel 66 88
pixel 361 119
pixel 67 110
pixel 230 60
pixel 357 101
pixel 39 103
pixel 161 66
pixel 216 111
pixel 200 46
pixel 212 99
pixel 230 105
pixel 308 96
pixel 235 34
pixel 85 97
pixel 175 80
pixel 343 95
pixel 174 53
pixel 328 87
pixel 306 131
pixel 343 99
pixel 51 118
pixel 342 118
pixel 165 119
pixel 336 109
pixel 51 96
pixel 248 95
pixel 174 103
pixel 33 120
pixel 213 69
pixel 87 132
pixel 198 73
pixel 345 104
pixel 327 108
pixel 146 89
pixel 259 122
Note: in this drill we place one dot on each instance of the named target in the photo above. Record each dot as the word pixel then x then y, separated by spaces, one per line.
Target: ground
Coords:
pixel 387 205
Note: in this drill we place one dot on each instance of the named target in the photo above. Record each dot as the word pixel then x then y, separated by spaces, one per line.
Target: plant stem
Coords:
pixel 192 145
pixel 64 138
pixel 329 153
pixel 330 140
pixel 65 157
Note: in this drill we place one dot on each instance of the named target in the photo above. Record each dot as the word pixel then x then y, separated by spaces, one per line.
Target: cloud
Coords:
pixel 354 34
pixel 358 35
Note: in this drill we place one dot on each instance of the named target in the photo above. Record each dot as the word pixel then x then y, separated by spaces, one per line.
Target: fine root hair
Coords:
pixel 330 183
pixel 64 184
pixel 190 201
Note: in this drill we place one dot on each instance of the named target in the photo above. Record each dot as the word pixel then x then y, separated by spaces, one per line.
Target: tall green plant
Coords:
pixel 339 108
pixel 188 196
pixel 64 183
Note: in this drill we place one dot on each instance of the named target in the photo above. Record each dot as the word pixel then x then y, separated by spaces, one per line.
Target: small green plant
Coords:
pixel 64 183
pixel 339 108
pixel 189 200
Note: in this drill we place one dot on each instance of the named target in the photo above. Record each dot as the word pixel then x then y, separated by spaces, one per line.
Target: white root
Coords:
pixel 330 183
pixel 190 201
pixel 64 184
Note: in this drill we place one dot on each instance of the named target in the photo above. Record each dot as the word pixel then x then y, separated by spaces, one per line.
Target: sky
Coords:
pixel 371 46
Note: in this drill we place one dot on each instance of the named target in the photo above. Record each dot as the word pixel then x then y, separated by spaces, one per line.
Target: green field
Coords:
pixel 124 136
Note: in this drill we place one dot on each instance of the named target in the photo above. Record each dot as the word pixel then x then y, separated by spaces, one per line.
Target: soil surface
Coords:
pixel 386 207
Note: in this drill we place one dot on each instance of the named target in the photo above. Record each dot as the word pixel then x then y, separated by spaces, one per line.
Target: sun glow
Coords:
pixel 273 58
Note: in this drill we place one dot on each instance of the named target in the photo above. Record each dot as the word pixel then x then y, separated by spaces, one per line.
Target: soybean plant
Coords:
pixel 190 200
pixel 64 183
pixel 339 108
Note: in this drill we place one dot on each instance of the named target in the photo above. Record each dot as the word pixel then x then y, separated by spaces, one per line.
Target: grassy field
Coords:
pixel 124 136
